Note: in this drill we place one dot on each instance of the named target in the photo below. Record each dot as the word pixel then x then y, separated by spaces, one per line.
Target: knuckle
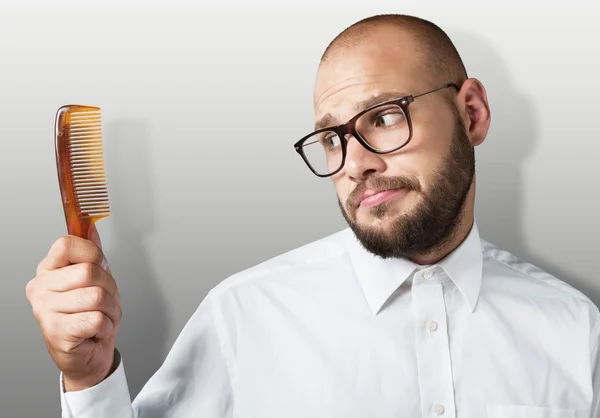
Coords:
pixel 30 289
pixel 37 302
pixel 75 326
pixel 40 267
pixel 79 327
pixel 95 320
pixel 96 255
pixel 62 245
pixel 86 272
pixel 96 296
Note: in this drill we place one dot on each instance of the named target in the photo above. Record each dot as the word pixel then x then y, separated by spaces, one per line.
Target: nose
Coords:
pixel 360 162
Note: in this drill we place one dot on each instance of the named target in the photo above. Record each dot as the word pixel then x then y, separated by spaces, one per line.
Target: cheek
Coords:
pixel 419 166
pixel 423 156
pixel 343 187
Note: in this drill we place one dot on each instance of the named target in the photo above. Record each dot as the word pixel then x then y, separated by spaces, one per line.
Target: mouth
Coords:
pixel 377 197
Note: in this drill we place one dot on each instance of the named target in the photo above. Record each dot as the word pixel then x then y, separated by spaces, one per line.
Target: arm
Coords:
pixel 595 358
pixel 192 382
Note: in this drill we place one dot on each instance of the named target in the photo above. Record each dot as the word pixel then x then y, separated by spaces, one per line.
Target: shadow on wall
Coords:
pixel 143 331
pixel 511 141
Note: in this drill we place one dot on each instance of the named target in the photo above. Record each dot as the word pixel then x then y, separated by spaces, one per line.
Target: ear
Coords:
pixel 475 110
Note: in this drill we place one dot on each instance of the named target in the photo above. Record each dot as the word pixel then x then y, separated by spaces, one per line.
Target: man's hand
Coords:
pixel 76 302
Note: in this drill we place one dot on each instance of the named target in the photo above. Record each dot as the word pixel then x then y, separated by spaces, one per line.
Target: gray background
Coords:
pixel 201 106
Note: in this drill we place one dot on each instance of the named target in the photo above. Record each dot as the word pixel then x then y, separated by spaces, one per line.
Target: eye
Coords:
pixel 330 140
pixel 389 118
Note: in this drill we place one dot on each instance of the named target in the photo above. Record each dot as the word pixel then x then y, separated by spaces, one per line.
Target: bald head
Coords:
pixel 438 57
pixel 387 120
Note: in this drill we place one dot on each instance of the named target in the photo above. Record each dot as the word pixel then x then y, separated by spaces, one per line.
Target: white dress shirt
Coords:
pixel 328 330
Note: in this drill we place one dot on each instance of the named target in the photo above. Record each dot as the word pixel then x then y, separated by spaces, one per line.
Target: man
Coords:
pixel 408 313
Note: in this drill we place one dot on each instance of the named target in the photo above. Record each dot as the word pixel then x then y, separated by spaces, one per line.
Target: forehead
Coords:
pixel 386 65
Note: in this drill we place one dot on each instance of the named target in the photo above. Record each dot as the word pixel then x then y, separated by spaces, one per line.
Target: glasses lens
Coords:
pixel 385 128
pixel 323 152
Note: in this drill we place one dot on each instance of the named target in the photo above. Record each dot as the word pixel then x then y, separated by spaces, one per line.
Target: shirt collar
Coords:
pixel 379 278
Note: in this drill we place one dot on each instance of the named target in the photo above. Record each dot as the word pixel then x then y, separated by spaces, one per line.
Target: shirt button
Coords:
pixel 438 409
pixel 431 326
pixel 427 274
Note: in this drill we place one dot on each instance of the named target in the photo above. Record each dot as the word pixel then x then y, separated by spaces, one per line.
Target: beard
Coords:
pixel 435 219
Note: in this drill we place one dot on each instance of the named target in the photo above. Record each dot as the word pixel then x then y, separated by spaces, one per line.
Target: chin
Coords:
pixel 383 214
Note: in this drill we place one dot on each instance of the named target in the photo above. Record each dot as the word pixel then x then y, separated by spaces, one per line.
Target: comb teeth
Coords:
pixel 86 162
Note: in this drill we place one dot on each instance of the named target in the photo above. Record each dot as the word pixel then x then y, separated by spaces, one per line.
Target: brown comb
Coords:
pixel 80 165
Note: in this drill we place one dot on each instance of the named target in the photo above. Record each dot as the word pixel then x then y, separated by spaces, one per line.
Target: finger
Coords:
pixel 81 326
pixel 71 250
pixel 66 332
pixel 76 276
pixel 94 236
pixel 87 299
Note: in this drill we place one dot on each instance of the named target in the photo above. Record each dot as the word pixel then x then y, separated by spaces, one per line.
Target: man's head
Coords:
pixel 425 189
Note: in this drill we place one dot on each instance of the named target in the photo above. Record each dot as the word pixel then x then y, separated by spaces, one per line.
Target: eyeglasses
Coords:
pixel 383 128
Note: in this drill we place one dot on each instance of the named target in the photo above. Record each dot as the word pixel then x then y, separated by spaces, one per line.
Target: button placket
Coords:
pixel 432 345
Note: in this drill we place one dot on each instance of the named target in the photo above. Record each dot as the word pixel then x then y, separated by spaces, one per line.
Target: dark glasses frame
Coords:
pixel 349 127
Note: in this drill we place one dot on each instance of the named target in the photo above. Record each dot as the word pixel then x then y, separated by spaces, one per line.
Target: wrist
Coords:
pixel 75 385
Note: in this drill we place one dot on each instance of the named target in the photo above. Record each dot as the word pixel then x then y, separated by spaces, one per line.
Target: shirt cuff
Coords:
pixel 109 398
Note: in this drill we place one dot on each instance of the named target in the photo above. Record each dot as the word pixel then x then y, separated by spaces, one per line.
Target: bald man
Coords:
pixel 407 313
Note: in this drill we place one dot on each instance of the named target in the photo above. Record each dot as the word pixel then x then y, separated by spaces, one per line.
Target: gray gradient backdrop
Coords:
pixel 201 107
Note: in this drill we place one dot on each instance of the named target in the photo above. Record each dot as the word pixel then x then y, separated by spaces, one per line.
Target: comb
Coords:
pixel 80 166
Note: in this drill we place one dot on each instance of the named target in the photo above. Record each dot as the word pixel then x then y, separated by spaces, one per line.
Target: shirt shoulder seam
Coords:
pixel 263 271
pixel 579 295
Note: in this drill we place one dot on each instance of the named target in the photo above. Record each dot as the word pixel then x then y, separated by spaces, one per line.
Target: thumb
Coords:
pixel 94 236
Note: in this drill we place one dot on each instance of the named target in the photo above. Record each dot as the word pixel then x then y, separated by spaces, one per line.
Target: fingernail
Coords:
pixel 104 264
pixel 95 236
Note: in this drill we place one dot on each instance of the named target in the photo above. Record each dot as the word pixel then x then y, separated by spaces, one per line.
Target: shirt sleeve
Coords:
pixel 193 381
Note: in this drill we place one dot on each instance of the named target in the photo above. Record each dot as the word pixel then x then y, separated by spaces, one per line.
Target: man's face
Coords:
pixel 425 184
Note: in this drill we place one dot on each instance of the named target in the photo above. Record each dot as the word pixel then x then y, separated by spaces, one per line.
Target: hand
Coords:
pixel 76 303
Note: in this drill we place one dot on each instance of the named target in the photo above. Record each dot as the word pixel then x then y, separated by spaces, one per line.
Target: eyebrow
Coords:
pixel 328 120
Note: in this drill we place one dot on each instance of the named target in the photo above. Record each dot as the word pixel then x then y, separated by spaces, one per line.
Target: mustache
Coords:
pixel 381 183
